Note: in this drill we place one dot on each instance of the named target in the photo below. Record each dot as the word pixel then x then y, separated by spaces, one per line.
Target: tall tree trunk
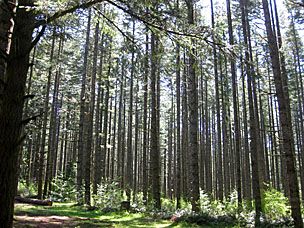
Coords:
pixel 247 179
pixel 11 108
pixel 208 162
pixel 185 133
pixel 98 121
pixel 7 8
pixel 105 121
pixel 81 142
pixel 218 114
pixel 155 153
pixel 52 148
pixel 114 155
pixel 145 131
pixel 285 119
pixel 178 131
pixel 120 129
pixel 88 153
pixel 235 109
pixel 130 127
pixel 253 131
pixel 136 141
pixel 193 123
pixel 45 117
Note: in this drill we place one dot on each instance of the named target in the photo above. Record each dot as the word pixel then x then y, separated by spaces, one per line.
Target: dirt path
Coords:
pixel 53 221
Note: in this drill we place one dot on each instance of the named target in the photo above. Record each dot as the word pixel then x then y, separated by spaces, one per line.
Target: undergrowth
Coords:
pixel 213 213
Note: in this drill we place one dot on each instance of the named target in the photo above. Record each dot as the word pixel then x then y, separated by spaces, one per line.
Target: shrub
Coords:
pixel 276 204
pixel 64 189
pixel 109 195
pixel 26 190
pixel 137 203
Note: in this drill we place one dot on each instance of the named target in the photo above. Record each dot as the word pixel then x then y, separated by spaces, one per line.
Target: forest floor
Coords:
pixel 67 215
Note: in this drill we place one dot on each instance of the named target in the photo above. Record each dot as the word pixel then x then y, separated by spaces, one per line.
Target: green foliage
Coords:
pixel 231 204
pixel 64 187
pixel 168 204
pixel 26 190
pixel 137 203
pixel 109 195
pixel 276 204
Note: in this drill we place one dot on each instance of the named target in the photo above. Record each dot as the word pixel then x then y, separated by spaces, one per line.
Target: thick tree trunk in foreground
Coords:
pixel 11 108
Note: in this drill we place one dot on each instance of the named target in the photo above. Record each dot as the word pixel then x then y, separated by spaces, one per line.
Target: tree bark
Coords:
pixel 285 119
pixel 130 128
pixel 193 123
pixel 235 109
pixel 81 140
pixel 45 117
pixel 11 109
pixel 154 133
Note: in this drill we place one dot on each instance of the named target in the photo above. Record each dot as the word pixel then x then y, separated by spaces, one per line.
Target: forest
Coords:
pixel 189 112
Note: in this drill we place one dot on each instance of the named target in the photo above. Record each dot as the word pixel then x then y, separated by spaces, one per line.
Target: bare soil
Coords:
pixel 25 219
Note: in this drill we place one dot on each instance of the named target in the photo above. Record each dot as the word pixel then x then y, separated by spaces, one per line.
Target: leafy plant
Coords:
pixel 109 195
pixel 276 204
pixel 64 187
pixel 27 190
pixel 137 203
pixel 168 204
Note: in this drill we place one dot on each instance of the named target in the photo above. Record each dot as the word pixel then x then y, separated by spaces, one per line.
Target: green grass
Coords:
pixel 97 218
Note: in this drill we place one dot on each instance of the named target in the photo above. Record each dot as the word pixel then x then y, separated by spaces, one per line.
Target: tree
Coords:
pixel 155 153
pixel 285 118
pixel 11 106
pixel 83 114
pixel 193 126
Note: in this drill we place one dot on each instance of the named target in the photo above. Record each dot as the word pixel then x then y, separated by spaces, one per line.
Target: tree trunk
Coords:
pixel 130 128
pixel 145 130
pixel 11 108
pixel 154 133
pixel 88 152
pixel 235 109
pixel 54 123
pixel 45 117
pixel 178 116
pixel 193 123
pixel 218 114
pixel 285 119
pixel 98 122
pixel 81 142
pixel 253 143
pixel 120 129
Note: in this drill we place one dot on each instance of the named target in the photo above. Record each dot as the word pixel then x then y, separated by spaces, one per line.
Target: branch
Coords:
pixel 67 11
pixel 26 121
pixel 150 24
pixel 36 40
pixel 30 96
pixel 20 140
pixel 113 24
pixel 297 3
